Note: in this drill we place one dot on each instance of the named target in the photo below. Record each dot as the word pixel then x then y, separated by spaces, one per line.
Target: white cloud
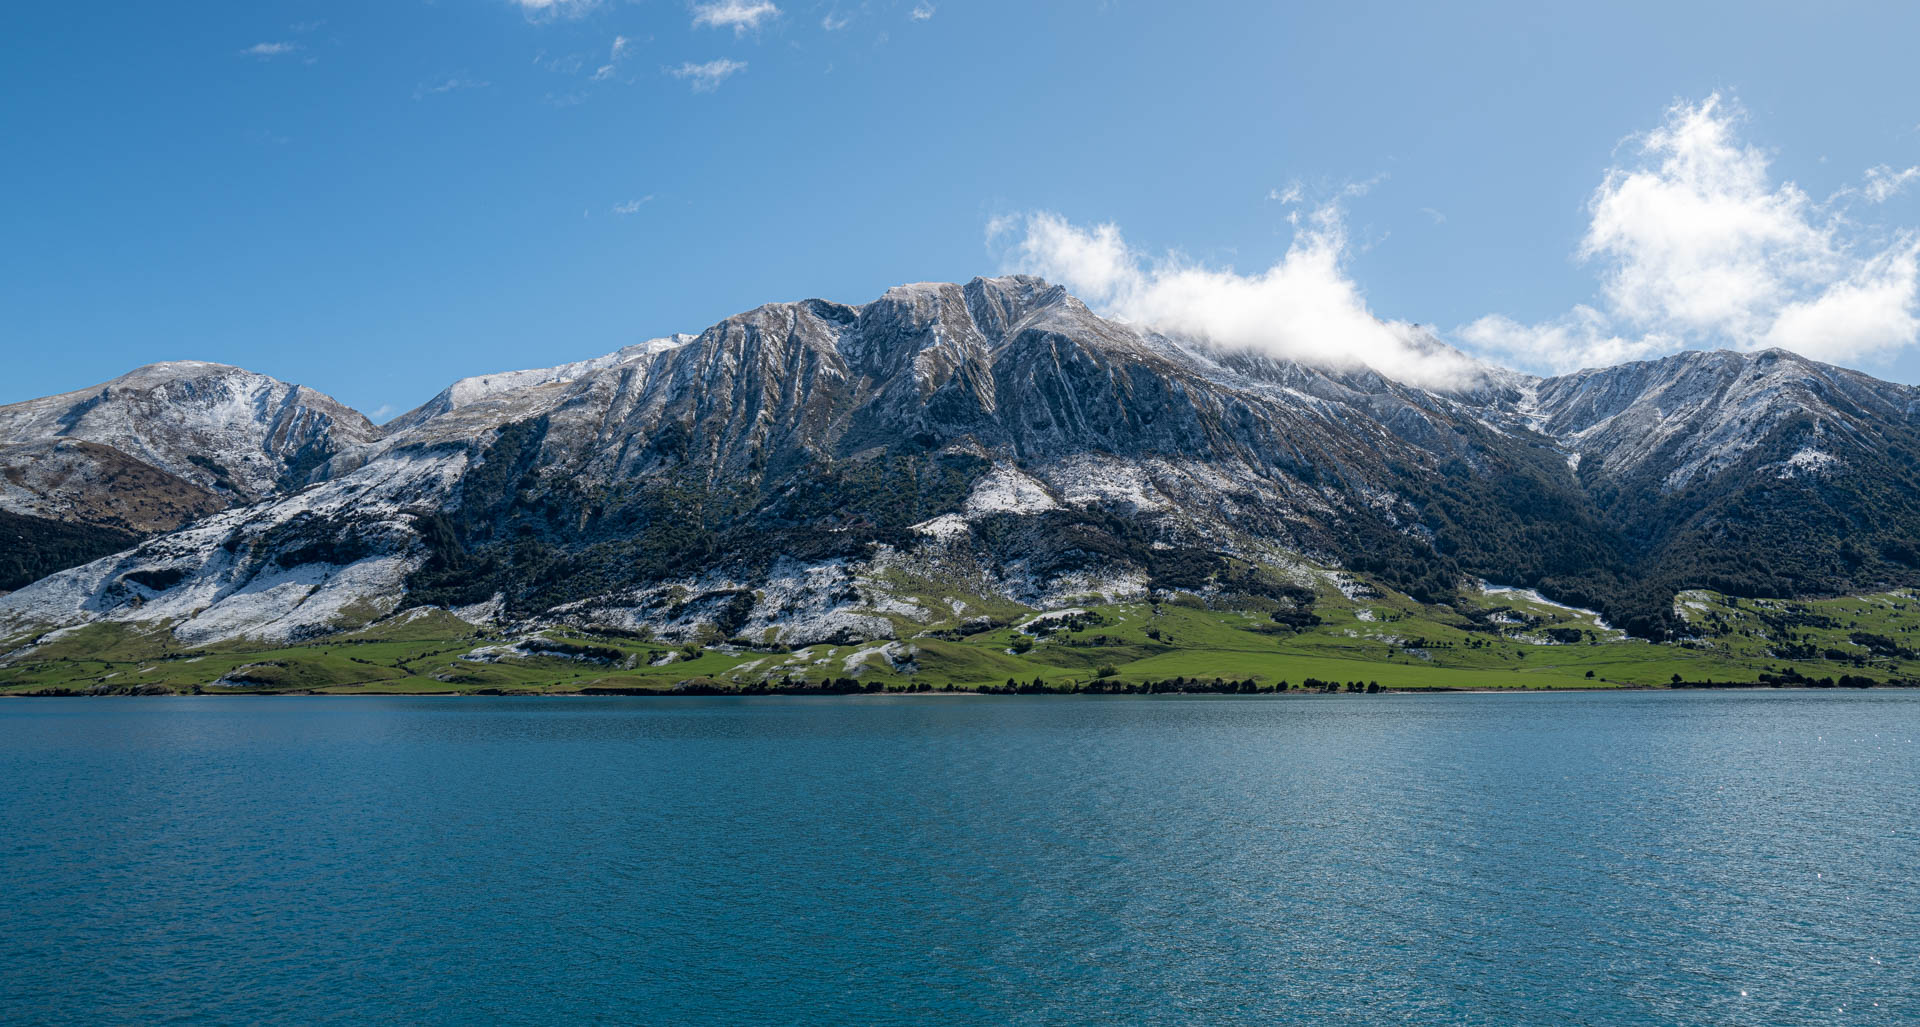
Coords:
pixel 1579 338
pixel 739 15
pixel 1883 183
pixel 1697 237
pixel 265 50
pixel 1871 311
pixel 707 77
pixel 834 24
pixel 921 11
pixel 615 54
pixel 1697 245
pixel 632 206
pixel 1303 308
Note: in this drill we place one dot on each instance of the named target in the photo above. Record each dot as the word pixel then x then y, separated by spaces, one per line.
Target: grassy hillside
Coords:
pixel 1344 633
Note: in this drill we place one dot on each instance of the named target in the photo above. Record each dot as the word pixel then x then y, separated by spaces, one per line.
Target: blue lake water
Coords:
pixel 1710 858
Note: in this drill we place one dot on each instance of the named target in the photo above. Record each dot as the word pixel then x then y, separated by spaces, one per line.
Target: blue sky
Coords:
pixel 377 198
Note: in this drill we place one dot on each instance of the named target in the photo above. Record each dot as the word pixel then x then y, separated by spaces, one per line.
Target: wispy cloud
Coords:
pixel 739 15
pixel 1697 245
pixel 1305 307
pixel 615 54
pixel 632 206
pixel 1883 183
pixel 539 9
pixel 834 21
pixel 921 11
pixel 267 50
pixel 705 78
pixel 568 64
pixel 446 85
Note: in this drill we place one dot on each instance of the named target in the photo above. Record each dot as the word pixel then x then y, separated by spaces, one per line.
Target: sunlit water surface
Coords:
pixel 1554 859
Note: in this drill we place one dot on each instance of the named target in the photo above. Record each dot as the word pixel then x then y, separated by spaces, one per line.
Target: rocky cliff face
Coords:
pixel 793 470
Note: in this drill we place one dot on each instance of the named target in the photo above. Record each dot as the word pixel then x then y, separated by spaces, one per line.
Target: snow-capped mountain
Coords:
pixel 223 432
pixel 787 473
pixel 88 472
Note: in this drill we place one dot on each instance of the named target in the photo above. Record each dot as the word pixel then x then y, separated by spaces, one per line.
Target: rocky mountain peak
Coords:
pixel 220 427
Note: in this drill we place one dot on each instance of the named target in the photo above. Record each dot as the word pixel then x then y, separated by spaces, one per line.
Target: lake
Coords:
pixel 1590 858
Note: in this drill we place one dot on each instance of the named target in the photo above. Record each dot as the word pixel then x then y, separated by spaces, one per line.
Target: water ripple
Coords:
pixel 1575 859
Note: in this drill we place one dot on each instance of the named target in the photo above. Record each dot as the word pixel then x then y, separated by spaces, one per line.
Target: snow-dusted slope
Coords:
pixel 771 474
pixel 1692 415
pixel 330 556
pixel 191 436
pixel 468 391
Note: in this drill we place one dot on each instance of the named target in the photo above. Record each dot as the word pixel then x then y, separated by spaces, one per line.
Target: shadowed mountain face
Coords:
pixel 769 475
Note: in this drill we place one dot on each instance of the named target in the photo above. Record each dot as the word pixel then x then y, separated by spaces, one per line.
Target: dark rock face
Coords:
pixel 816 432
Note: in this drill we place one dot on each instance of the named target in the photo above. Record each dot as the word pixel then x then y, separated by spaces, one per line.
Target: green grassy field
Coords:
pixel 1491 639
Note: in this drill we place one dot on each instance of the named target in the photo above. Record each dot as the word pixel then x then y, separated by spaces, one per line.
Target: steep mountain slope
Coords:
pixel 468 391
pixel 33 547
pixel 811 471
pixel 996 430
pixel 220 428
pixel 1757 474
pixel 156 448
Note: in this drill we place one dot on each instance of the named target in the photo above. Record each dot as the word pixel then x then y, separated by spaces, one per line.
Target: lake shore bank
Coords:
pixel 673 693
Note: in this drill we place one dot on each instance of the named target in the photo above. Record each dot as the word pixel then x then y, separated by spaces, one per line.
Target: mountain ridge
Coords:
pixel 770 473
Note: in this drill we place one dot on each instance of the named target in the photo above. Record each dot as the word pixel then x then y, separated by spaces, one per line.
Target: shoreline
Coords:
pixel 669 693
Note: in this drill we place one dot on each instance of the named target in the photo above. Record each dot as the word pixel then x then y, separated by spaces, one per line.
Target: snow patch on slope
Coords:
pixel 280 571
pixel 1807 461
pixel 1529 595
pixel 1006 489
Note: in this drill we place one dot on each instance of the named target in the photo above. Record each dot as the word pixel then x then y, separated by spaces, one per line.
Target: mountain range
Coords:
pixel 814 472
